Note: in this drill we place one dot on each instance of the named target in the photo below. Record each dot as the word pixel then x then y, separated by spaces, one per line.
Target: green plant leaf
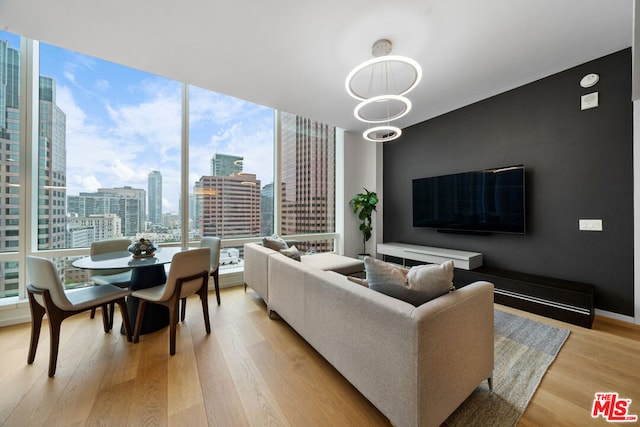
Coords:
pixel 364 204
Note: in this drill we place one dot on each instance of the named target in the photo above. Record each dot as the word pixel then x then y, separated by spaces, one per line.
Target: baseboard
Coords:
pixel 616 316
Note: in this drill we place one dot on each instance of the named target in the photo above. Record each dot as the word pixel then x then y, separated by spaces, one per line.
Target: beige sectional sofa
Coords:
pixel 257 268
pixel 415 364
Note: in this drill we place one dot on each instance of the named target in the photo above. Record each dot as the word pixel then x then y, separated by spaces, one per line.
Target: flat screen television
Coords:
pixel 486 201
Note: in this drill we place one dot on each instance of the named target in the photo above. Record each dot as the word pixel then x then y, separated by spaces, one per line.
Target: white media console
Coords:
pixel 461 259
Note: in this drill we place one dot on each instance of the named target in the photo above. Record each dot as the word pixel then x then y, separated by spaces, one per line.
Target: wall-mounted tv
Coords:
pixel 486 201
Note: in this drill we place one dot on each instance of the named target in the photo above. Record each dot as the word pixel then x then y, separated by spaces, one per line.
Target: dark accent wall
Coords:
pixel 578 164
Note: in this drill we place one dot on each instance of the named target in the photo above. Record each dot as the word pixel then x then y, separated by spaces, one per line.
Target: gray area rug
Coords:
pixel 524 350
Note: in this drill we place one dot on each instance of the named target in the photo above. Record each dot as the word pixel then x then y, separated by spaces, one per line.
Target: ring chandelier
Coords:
pixel 380 84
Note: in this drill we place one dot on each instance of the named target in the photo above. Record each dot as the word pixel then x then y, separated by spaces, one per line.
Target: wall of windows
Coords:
pixel 10 153
pixel 111 157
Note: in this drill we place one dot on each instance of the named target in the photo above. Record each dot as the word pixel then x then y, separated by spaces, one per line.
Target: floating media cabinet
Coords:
pixel 461 259
pixel 564 300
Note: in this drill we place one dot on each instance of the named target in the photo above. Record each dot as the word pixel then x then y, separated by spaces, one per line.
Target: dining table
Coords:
pixel 146 272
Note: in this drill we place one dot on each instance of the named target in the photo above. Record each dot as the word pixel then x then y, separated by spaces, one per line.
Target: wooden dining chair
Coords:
pixel 212 243
pixel 47 295
pixel 117 277
pixel 189 274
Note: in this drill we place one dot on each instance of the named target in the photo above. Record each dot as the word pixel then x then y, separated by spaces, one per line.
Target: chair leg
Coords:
pixel 183 308
pixel 173 324
pixel 139 317
pixel 122 304
pixel 216 284
pixel 112 307
pixel 55 321
pixel 105 317
pixel 93 312
pixel 37 313
pixel 205 307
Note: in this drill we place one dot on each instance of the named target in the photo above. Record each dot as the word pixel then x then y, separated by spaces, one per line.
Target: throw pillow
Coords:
pixel 426 283
pixel 291 252
pixel 431 280
pixel 274 242
pixel 386 278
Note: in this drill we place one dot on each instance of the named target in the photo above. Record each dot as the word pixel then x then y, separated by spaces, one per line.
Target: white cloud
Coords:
pixel 154 123
pixel 78 183
pixel 116 142
pixel 221 124
pixel 102 85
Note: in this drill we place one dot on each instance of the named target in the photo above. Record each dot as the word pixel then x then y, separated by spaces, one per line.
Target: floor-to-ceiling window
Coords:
pixel 109 152
pixel 230 170
pixel 307 197
pixel 109 148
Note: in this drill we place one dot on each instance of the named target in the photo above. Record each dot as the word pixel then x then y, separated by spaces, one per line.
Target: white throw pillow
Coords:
pixel 431 280
pixel 424 284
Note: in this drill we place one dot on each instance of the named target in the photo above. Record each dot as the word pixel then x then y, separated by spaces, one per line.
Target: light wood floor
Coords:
pixel 255 371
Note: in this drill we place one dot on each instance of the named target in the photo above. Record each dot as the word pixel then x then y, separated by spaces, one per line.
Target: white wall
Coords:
pixel 636 206
pixel 636 156
pixel 362 169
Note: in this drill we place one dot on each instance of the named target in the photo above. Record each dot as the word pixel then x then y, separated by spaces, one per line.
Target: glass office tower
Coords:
pixel 154 191
pixel 308 179
pixel 225 164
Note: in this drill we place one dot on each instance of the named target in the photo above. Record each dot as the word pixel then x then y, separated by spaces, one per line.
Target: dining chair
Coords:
pixel 47 295
pixel 189 274
pixel 212 243
pixel 117 277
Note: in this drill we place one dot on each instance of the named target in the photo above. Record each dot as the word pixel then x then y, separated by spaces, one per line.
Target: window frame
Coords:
pixel 29 114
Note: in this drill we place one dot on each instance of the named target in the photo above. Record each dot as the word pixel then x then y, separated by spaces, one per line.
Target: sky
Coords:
pixel 122 123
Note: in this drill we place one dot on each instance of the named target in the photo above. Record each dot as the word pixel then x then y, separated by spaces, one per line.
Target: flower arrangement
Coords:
pixel 142 248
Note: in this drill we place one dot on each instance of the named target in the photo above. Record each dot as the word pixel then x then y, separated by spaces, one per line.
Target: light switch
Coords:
pixel 590 224
pixel 589 100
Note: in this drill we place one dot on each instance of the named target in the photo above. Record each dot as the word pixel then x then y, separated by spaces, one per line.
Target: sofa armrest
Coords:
pixel 455 348
pixel 256 268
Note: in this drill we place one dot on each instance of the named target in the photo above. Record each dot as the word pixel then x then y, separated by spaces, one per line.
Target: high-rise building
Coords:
pixel 51 228
pixel 126 202
pixel 154 192
pixel 229 206
pixel 193 212
pixel 10 155
pixel 52 170
pixel 226 164
pixel 308 178
pixel 102 226
pixel 9 173
pixel 266 210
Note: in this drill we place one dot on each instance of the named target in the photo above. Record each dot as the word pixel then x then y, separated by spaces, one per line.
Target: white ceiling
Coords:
pixel 295 54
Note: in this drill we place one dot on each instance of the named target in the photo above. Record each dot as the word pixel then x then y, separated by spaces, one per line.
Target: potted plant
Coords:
pixel 364 204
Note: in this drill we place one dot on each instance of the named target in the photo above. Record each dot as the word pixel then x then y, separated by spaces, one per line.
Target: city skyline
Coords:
pixel 109 136
pixel 130 120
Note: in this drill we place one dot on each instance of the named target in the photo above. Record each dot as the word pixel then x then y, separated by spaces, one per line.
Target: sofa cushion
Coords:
pixel 384 277
pixel 427 283
pixel 291 252
pixel 274 242
pixel 333 262
pixel 431 280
